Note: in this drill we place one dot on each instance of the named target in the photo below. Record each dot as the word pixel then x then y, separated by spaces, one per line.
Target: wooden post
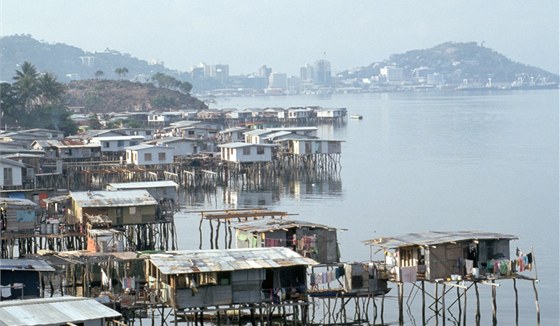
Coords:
pixel 494 308
pixel 516 301
pixel 443 304
pixel 537 301
pixel 477 315
pixel 382 307
pixel 436 301
pixel 423 303
pixel 400 300
pixel 465 308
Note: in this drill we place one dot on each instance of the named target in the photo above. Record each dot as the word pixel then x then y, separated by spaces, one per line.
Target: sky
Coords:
pixel 287 34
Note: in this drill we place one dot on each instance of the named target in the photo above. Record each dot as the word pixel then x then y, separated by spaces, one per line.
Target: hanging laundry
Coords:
pixel 6 291
pixel 469 266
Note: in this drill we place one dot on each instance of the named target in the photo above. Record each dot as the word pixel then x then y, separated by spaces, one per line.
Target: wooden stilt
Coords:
pixel 537 302
pixel 477 314
pixel 516 301
pixel 494 307
pixel 423 303
pixel 443 304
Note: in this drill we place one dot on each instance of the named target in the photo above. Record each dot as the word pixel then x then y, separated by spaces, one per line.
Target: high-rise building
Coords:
pixel 219 72
pixel 322 72
pixel 265 72
pixel 278 80
pixel 306 73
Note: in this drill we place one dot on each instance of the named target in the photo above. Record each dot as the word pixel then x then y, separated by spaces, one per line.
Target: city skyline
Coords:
pixel 285 36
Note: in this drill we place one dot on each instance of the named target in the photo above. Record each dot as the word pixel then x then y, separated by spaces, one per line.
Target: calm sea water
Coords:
pixel 430 162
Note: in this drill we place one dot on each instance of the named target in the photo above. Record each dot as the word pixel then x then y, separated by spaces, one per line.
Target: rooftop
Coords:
pixel 432 238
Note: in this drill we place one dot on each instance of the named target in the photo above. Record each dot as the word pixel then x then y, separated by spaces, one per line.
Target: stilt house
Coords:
pixel 312 240
pixel 441 255
pixel 207 278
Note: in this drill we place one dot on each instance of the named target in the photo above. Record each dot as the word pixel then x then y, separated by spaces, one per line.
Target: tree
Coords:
pixel 99 74
pixel 50 91
pixel 26 85
pixel 121 71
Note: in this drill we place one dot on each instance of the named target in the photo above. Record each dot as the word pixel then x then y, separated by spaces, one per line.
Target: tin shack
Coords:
pixel 312 240
pixel 124 207
pixel 210 278
pixel 17 215
pixel 444 255
pixel 21 278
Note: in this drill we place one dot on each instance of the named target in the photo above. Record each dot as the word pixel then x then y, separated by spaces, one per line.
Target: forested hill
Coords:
pixel 459 61
pixel 69 63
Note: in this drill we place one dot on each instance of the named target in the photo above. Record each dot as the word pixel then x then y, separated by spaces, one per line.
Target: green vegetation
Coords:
pixel 162 80
pixel 34 101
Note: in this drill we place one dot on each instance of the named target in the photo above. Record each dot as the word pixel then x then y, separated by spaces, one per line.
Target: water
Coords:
pixel 432 161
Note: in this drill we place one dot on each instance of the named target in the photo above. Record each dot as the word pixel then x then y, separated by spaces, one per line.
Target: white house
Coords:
pixel 257 136
pixel 11 173
pixel 233 135
pixel 116 144
pixel 245 153
pixel 311 146
pixel 331 113
pixel 145 154
pixel 300 113
pixel 180 146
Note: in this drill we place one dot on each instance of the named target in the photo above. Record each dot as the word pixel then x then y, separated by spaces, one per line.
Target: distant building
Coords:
pixel 322 73
pixel 278 80
pixel 392 73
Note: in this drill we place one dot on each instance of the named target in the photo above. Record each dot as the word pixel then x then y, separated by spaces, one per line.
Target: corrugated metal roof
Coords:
pixel 196 261
pixel 143 185
pixel 113 198
pixel 16 202
pixel 26 265
pixel 53 311
pixel 436 237
pixel 269 225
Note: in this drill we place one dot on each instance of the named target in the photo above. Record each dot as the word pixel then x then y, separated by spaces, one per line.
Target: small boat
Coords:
pixel 356 116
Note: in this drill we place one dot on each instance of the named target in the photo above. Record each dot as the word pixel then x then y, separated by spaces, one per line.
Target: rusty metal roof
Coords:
pixel 199 261
pixel 432 238
pixel 53 311
pixel 270 225
pixel 113 198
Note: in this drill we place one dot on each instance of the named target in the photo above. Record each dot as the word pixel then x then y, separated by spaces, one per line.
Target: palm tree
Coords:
pixel 26 84
pixel 50 90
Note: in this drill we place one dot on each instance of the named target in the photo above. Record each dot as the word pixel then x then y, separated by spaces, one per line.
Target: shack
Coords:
pixel 312 240
pixel 21 278
pixel 160 190
pixel 125 207
pixel 206 278
pixel 57 311
pixel 17 215
pixel 445 255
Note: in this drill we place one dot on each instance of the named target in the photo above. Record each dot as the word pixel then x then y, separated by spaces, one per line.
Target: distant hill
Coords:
pixel 69 62
pixel 103 96
pixel 459 61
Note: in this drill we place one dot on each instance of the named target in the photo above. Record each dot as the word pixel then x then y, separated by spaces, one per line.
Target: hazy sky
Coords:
pixel 290 33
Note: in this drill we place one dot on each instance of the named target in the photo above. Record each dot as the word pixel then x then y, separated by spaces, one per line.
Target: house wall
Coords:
pixel 16 175
pixel 29 278
pixel 118 216
pixel 138 157
pixel 204 296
